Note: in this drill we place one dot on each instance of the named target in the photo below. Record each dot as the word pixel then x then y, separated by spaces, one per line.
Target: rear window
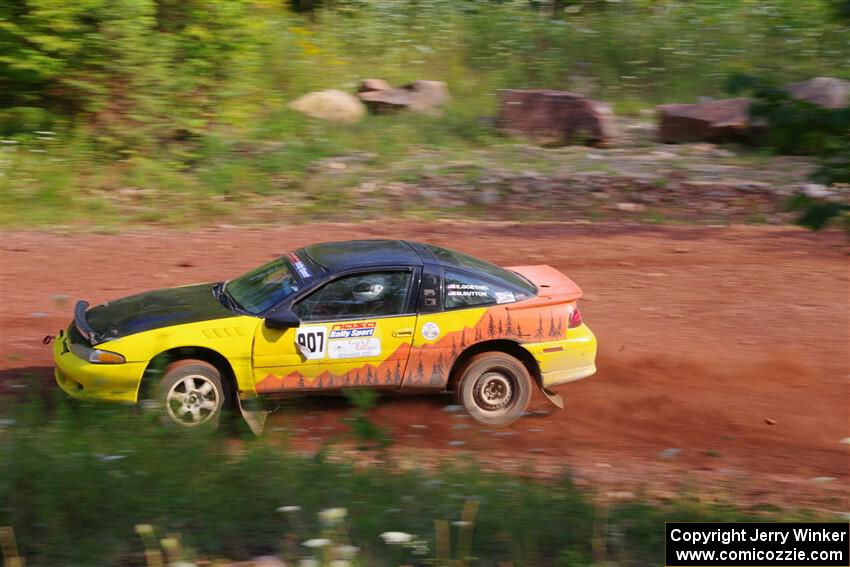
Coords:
pixel 508 278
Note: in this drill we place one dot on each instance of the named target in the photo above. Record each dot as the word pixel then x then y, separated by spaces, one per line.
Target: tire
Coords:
pixel 495 388
pixel 191 395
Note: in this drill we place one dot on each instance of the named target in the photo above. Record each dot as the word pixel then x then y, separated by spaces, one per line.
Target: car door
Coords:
pixel 356 330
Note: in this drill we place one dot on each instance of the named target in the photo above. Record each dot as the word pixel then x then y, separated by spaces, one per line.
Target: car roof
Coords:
pixel 336 256
pixel 344 255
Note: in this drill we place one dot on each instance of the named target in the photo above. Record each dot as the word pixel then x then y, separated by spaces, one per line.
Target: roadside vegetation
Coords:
pixel 160 111
pixel 77 482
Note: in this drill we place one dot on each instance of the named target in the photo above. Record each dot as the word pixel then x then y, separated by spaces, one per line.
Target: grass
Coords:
pixel 76 479
pixel 248 151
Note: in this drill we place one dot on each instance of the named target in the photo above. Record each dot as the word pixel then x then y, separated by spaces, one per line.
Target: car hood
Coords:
pixel 155 309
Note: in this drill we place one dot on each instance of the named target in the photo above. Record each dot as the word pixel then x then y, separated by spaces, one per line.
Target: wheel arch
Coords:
pixel 506 346
pixel 158 363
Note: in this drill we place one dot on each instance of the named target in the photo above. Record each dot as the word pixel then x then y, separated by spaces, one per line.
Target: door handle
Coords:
pixel 403 333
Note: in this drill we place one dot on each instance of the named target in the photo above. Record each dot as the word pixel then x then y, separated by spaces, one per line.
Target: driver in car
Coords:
pixel 370 298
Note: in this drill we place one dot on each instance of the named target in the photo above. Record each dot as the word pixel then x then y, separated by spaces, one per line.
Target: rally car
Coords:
pixel 385 314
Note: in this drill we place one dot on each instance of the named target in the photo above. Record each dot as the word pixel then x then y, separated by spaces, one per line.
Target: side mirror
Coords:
pixel 282 320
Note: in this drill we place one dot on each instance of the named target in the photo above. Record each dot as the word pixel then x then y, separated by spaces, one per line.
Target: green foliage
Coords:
pixel 76 479
pixel 798 127
pixel 366 432
pixel 817 213
pixel 794 126
pixel 186 101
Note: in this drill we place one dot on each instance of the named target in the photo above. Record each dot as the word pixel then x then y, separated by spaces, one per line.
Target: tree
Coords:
pixel 491 327
pixel 420 372
pixel 437 371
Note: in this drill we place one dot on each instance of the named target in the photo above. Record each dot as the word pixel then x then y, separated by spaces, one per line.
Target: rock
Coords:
pixel 630 207
pixel 331 105
pixel 452 408
pixel 769 421
pixel 845 441
pixel 823 91
pixel 556 117
pixel 487 196
pixel 713 121
pixel 373 85
pixel 671 453
pixel 816 191
pixel 456 443
pixel 268 561
pixel 418 96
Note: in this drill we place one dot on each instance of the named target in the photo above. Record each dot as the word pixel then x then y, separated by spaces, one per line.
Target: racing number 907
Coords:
pixel 313 340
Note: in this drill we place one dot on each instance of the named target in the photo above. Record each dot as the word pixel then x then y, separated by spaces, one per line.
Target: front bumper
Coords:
pixel 83 380
pixel 566 360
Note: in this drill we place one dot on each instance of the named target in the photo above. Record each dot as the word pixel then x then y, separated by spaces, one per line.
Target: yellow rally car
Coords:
pixel 385 314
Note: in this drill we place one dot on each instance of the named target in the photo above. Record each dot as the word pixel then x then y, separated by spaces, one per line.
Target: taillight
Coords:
pixel 575 318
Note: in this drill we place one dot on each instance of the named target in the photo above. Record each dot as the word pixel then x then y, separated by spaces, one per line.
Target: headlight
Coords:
pixel 97 356
pixel 105 357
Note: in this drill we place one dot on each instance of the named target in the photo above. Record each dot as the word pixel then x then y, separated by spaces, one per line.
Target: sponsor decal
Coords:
pixel 355 348
pixel 505 297
pixel 299 266
pixel 467 290
pixel 353 330
pixel 430 330
pixel 312 342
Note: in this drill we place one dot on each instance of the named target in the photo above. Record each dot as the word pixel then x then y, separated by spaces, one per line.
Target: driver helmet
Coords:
pixel 368 291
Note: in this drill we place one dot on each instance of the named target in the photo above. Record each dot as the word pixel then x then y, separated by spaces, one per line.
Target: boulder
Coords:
pixel 823 91
pixel 712 121
pixel 332 105
pixel 418 96
pixel 556 117
pixel 368 85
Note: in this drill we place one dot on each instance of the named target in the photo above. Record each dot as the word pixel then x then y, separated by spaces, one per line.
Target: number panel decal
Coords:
pixel 312 342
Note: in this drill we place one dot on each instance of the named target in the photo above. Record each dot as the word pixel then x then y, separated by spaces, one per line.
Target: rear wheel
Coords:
pixel 495 388
pixel 192 395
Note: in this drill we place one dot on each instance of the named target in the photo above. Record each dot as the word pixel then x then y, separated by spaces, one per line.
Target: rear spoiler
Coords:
pixel 81 324
pixel 553 287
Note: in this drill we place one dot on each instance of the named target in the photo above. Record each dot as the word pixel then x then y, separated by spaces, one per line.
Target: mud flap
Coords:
pixel 553 397
pixel 254 414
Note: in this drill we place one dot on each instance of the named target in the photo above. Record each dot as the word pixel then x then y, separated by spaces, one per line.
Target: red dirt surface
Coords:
pixel 724 352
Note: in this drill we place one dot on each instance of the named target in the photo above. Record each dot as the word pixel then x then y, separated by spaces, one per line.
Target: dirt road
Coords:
pixel 723 368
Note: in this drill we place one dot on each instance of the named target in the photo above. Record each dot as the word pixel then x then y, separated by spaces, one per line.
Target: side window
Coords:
pixel 466 290
pixel 429 291
pixel 357 296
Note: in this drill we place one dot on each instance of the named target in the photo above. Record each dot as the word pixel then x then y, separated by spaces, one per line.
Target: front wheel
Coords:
pixel 191 395
pixel 495 388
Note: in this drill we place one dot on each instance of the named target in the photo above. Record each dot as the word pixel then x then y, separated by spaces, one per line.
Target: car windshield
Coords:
pixel 264 287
